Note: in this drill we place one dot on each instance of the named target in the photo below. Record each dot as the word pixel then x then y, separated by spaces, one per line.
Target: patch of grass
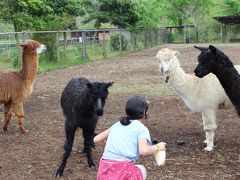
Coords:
pixel 148 89
pixel 5 64
pixel 73 55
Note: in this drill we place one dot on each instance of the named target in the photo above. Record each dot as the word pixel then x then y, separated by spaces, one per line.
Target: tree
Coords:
pixel 36 14
pixel 231 7
pixel 41 15
pixel 149 13
pixel 24 14
pixel 65 13
pixel 120 13
pixel 184 11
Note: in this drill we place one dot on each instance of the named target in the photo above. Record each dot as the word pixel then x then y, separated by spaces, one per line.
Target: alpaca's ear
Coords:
pixel 109 84
pixel 199 48
pixel 213 49
pixel 23 45
pixel 177 53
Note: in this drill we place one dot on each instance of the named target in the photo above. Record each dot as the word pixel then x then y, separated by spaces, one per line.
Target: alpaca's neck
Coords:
pixel 178 81
pixel 29 67
pixel 226 73
pixel 228 78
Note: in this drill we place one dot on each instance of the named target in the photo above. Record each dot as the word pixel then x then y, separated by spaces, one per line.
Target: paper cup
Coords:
pixel 160 157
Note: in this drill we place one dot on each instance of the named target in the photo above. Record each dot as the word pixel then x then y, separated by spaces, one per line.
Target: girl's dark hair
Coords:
pixel 135 108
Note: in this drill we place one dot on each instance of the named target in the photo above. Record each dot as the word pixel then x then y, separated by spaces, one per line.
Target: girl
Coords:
pixel 124 142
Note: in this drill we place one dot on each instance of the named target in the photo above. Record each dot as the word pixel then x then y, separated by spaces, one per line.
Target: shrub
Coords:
pixel 118 42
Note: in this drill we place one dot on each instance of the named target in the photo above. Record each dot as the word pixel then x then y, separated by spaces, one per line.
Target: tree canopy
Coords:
pixel 62 14
pixel 120 13
pixel 232 7
pixel 38 14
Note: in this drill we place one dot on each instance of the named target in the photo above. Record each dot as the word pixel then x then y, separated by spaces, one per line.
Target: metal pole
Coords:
pixel 84 46
pixel 57 47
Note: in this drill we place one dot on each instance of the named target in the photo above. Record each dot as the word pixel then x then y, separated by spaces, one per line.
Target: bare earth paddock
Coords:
pixel 37 154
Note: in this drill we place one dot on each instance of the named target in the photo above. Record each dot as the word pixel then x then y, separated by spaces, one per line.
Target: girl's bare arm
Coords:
pixel 101 138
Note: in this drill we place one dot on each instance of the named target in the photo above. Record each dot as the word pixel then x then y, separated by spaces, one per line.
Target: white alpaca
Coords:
pixel 201 95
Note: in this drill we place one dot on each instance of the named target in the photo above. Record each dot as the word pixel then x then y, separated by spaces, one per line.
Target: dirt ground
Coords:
pixel 37 154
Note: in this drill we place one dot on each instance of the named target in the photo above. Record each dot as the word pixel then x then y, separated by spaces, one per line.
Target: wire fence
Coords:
pixel 82 46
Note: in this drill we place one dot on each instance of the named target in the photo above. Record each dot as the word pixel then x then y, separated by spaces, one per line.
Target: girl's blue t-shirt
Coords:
pixel 122 141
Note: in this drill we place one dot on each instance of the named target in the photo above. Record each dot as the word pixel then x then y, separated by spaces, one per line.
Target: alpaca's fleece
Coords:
pixel 16 86
pixel 202 95
pixel 82 103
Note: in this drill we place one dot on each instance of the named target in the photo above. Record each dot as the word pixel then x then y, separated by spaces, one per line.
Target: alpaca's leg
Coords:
pixel 209 123
pixel 70 132
pixel 7 115
pixel 88 145
pixel 18 109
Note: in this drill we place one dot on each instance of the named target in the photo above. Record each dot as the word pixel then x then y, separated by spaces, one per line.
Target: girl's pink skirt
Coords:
pixel 118 170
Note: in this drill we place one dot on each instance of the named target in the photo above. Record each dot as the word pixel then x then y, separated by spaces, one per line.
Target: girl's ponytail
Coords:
pixel 125 121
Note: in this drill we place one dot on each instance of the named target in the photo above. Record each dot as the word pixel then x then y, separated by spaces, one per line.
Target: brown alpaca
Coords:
pixel 16 86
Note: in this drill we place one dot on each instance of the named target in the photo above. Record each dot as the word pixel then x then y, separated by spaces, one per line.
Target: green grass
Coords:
pixel 5 63
pixel 73 55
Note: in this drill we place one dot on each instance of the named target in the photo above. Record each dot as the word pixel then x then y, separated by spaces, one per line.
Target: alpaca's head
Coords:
pixel 167 60
pixel 210 60
pixel 33 46
pixel 98 92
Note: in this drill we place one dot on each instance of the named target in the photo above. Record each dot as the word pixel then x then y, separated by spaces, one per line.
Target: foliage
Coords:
pixel 6 27
pixel 118 42
pixel 149 13
pixel 119 13
pixel 65 13
pixel 50 41
pixel 37 14
pixel 232 7
pixel 71 7
pixel 22 13
pixel 180 12
pixel 130 14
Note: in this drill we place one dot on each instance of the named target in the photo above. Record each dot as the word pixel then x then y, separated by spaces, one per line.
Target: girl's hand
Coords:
pixel 161 146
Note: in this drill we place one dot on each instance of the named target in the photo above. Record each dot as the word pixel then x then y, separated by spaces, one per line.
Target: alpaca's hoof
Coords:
pixel 5 128
pixel 59 173
pixel 24 131
pixel 91 164
pixel 208 148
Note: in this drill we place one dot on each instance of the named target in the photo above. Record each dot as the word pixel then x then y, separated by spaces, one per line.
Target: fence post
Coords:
pixel 19 49
pixel 145 38
pixel 155 37
pixel 57 47
pixel 65 40
pixel 134 38
pixel 197 40
pixel 104 45
pixel 8 46
pixel 224 33
pixel 120 41
pixel 84 42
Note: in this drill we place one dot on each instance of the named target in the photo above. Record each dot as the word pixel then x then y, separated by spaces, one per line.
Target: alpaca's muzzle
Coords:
pixel 41 49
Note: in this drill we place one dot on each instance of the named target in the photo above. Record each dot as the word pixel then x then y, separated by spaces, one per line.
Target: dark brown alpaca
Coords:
pixel 18 85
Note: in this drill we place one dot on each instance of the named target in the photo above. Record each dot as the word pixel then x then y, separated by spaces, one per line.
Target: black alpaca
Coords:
pixel 213 60
pixel 82 102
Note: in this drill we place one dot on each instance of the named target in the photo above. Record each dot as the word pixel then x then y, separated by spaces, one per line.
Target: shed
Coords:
pixel 227 20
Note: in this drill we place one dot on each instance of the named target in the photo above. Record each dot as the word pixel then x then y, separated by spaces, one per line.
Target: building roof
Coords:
pixel 234 19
